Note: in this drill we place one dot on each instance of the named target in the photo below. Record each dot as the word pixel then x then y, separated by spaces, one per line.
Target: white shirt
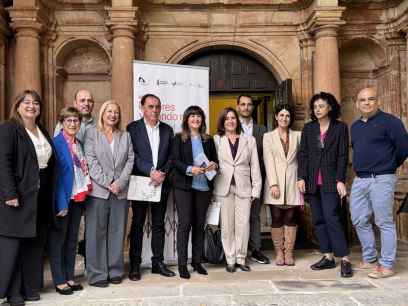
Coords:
pixel 247 128
pixel 42 147
pixel 154 138
pixel 112 145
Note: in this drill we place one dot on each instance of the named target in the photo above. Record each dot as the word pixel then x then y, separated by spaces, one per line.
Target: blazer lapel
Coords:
pixel 116 146
pixel 241 145
pixel 226 147
pixel 28 141
pixel 189 149
pixel 145 137
pixel 329 136
pixel 292 145
pixel 278 143
pixel 255 130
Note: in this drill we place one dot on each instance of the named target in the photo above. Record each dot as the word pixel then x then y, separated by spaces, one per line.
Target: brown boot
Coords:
pixel 289 245
pixel 277 238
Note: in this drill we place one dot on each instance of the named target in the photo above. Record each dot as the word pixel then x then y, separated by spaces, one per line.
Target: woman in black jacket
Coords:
pixel 27 172
pixel 193 188
pixel 322 170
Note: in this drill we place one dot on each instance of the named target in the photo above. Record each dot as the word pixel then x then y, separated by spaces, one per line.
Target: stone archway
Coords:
pixel 257 51
pixel 82 63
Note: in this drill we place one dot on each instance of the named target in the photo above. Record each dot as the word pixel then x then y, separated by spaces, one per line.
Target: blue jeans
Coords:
pixel 375 195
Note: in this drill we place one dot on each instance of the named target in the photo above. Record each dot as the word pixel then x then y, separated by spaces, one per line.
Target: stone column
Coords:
pixel 306 71
pixel 326 72
pixel 4 32
pixel 26 22
pixel 395 43
pixel 27 58
pixel 2 78
pixel 123 54
pixel 123 25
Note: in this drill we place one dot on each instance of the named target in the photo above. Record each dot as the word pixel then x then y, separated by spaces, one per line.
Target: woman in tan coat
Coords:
pixel 280 157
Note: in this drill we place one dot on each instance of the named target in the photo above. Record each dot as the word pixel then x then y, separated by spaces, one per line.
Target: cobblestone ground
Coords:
pixel 266 285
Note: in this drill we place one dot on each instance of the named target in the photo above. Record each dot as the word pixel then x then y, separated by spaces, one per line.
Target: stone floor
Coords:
pixel 266 285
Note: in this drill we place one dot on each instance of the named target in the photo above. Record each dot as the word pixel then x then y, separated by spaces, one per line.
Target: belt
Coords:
pixel 371 174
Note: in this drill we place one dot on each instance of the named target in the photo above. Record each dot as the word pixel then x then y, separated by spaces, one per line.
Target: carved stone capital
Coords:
pixel 395 38
pixel 324 22
pixel 123 21
pixel 28 21
pixel 305 40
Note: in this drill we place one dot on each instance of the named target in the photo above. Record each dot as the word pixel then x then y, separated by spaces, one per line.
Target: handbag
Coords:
pixel 213 250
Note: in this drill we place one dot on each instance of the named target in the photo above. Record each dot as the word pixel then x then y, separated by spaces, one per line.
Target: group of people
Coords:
pixel 47 184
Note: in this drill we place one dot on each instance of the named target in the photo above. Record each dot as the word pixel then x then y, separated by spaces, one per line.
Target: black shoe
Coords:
pixel 230 268
pixel 64 291
pixel 160 268
pixel 243 267
pixel 32 298
pixel 183 271
pixel 76 287
pixel 115 280
pixel 100 284
pixel 134 273
pixel 199 268
pixel 15 301
pixel 258 257
pixel 345 269
pixel 323 264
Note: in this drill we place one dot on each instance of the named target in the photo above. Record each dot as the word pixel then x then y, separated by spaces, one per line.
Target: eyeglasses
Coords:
pixel 72 121
pixel 33 103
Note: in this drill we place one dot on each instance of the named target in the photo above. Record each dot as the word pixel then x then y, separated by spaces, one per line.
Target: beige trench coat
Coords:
pixel 281 170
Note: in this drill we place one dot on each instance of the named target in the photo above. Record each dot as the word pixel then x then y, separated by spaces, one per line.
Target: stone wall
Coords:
pixel 338 46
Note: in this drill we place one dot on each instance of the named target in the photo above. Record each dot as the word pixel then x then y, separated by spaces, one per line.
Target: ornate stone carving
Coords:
pixel 87 60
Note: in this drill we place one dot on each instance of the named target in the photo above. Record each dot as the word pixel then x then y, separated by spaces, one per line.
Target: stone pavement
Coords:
pixel 266 285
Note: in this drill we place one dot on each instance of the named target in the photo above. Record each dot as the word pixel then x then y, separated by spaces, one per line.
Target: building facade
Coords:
pixel 340 46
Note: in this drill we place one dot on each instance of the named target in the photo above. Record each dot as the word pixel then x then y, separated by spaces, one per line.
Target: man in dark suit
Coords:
pixel 245 107
pixel 151 140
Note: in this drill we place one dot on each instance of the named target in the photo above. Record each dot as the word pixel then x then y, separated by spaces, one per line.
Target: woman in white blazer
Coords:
pixel 280 157
pixel 237 184
pixel 110 157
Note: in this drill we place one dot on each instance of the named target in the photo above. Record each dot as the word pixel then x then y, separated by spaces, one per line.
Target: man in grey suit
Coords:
pixel 245 108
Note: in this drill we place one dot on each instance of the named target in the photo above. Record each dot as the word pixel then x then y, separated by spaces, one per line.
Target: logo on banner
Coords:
pixel 161 82
pixel 142 81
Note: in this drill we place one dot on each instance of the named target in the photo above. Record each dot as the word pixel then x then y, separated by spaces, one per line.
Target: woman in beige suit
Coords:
pixel 237 184
pixel 280 157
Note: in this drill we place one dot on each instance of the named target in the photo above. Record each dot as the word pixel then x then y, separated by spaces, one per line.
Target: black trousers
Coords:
pixel 191 211
pixel 158 212
pixel 62 244
pixel 21 260
pixel 326 220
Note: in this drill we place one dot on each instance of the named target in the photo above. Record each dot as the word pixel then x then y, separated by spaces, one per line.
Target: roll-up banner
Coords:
pixel 177 86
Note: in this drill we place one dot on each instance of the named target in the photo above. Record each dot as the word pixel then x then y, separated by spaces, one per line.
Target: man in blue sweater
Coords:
pixel 380 146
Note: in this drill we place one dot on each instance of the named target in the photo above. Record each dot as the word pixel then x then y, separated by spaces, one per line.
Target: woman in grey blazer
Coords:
pixel 110 156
